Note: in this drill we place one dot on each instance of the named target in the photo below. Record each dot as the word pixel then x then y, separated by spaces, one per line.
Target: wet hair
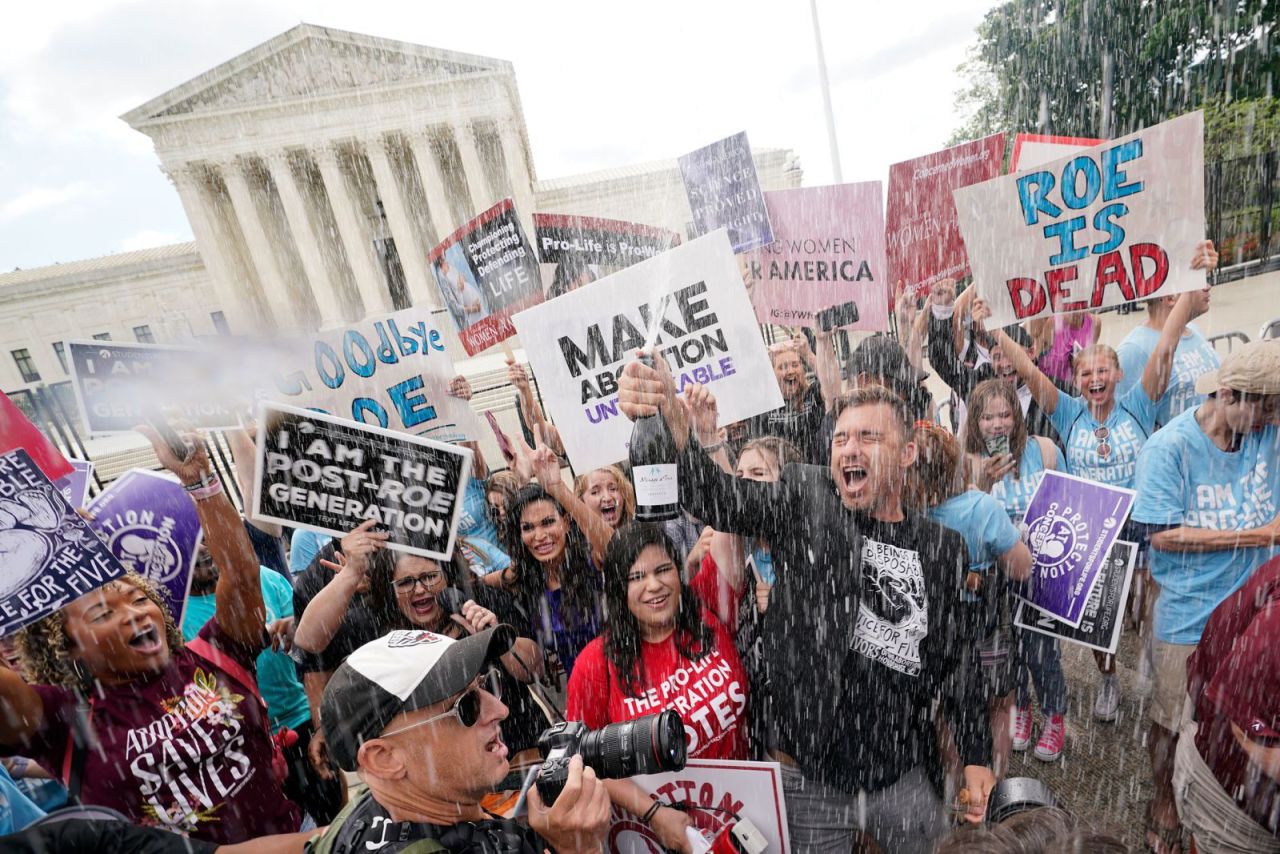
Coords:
pixel 504 482
pixel 625 491
pixel 46 648
pixel 622 640
pixel 980 839
pixel 938 473
pixel 783 452
pixel 870 395
pixel 382 595
pixel 982 394
pixel 1093 350
pixel 531 577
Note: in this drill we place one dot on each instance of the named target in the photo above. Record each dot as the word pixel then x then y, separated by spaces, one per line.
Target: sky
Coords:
pixel 602 85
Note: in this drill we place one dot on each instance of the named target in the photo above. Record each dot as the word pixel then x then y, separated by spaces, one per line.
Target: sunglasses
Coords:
pixel 411 582
pixel 1101 434
pixel 467 707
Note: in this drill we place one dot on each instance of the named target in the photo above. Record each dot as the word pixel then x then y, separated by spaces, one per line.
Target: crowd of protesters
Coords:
pixel 836 597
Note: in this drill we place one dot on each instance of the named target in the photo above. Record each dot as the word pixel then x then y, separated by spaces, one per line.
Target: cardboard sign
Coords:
pixel 828 249
pixel 753 790
pixel 17 431
pixel 48 554
pixel 579 343
pixel 328 475
pixel 75 486
pixel 392 372
pixel 1104 611
pixel 1109 225
pixel 152 527
pixel 724 192
pixel 116 383
pixel 1035 149
pixel 1071 523
pixel 610 243
pixel 921 232
pixel 486 271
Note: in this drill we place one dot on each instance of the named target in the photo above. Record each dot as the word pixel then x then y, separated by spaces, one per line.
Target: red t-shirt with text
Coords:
pixel 710 694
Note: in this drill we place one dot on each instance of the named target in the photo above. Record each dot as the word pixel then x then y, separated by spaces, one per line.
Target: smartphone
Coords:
pixel 504 445
pixel 997 445
pixel 168 435
pixel 837 316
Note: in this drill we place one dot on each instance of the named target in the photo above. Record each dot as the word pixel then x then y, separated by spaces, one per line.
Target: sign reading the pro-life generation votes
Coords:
pixel 1109 225
pixel 1104 611
pixel 828 249
pixel 578 344
pixel 152 527
pixel 392 372
pixel 921 233
pixel 724 192
pixel 116 384
pixel 329 475
pixel 1071 523
pixel 486 271
pixel 48 554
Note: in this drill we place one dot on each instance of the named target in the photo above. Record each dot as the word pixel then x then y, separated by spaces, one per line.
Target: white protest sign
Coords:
pixel 578 344
pixel 1108 225
pixel 752 790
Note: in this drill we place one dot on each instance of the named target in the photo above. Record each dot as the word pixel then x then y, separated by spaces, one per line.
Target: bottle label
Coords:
pixel 656 485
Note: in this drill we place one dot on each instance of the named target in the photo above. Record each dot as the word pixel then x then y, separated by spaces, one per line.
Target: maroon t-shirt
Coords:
pixel 186 749
pixel 1234 677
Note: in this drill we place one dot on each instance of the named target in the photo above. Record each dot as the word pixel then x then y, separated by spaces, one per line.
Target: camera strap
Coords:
pixel 368 828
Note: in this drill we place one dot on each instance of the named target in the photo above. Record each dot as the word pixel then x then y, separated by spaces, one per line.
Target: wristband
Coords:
pixel 203 491
pixel 206 479
pixel 711 449
pixel 650 813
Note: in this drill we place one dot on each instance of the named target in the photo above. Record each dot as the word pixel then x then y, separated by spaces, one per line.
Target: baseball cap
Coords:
pixel 400 672
pixel 1254 368
pixel 881 356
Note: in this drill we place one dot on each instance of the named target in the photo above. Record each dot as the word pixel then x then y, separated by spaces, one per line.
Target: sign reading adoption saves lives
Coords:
pixel 579 343
pixel 329 475
pixel 1113 224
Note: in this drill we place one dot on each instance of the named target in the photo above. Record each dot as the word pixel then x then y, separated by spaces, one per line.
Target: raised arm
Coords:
pixel 1042 388
pixel 1155 377
pixel 546 468
pixel 245 457
pixel 328 608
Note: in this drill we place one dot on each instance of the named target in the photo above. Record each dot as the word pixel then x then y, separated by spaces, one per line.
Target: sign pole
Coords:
pixel 825 85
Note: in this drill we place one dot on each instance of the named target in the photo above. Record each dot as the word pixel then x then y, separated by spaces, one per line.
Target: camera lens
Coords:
pixel 645 745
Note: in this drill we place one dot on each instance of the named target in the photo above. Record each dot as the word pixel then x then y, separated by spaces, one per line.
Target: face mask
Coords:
pixel 942 312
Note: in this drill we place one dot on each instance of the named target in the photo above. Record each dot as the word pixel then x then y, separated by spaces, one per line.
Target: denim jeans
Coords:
pixel 1042 661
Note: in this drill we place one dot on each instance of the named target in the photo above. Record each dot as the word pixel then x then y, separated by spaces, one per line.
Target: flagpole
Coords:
pixel 826 95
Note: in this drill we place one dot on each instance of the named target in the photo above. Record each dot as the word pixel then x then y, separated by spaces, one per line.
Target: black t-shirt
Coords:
pixel 269 549
pixel 358 627
pixel 800 425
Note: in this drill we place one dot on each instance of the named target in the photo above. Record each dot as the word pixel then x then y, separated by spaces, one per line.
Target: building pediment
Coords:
pixel 309 62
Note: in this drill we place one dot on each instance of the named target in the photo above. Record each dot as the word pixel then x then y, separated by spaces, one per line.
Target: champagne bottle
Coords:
pixel 654 471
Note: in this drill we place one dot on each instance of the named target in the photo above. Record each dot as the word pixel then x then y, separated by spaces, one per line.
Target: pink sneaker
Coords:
pixel 1021 728
pixel 1052 737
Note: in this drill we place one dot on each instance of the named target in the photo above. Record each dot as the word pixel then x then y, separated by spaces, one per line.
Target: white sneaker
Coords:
pixel 1145 683
pixel 1107 705
pixel 1021 728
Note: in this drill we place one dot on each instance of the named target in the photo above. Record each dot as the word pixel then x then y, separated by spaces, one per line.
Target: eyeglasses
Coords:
pixel 1101 434
pixel 467 708
pixel 411 582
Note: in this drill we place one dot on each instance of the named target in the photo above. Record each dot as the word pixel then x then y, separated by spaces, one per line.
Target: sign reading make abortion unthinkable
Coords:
pixel 922 236
pixel 329 475
pixel 1071 524
pixel 391 372
pixel 486 271
pixel 827 250
pixel 116 383
pixel 152 527
pixel 48 554
pixel 1109 225
pixel 724 192
pixel 1104 611
pixel 579 343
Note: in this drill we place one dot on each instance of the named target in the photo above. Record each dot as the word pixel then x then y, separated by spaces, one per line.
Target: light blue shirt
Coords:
pixel 1130 424
pixel 987 529
pixel 1195 356
pixel 16 809
pixel 477 535
pixel 1015 490
pixel 1184 479
pixel 303 548
pixel 277 677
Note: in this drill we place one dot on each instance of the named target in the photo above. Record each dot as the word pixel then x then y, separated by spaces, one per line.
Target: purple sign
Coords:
pixel 75 486
pixel 1071 524
pixel 724 192
pixel 151 525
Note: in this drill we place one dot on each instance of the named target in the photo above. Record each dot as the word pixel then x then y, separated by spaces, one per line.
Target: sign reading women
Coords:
pixel 1113 224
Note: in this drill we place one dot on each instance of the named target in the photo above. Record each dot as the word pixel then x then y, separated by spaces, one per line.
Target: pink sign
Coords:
pixel 921 234
pixel 827 250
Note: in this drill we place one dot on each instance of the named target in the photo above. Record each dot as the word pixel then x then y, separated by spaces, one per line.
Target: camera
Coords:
pixel 645 745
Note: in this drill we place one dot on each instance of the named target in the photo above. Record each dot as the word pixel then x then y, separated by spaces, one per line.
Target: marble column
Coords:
pixel 306 238
pixel 274 285
pixel 432 184
pixel 413 255
pixel 518 173
pixel 472 169
pixel 357 246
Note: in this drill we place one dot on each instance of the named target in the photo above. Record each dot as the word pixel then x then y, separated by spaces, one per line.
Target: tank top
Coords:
pixel 1056 362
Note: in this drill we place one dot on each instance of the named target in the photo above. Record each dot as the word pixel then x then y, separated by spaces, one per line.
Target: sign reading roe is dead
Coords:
pixel 1113 224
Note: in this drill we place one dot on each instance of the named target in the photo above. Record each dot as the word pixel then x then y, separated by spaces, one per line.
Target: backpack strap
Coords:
pixel 202 649
pixel 77 751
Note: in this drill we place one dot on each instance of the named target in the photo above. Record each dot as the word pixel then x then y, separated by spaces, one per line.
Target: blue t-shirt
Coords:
pixel 1015 490
pixel 1130 424
pixel 1195 356
pixel 477 535
pixel 983 522
pixel 303 548
pixel 16 809
pixel 277 677
pixel 1184 479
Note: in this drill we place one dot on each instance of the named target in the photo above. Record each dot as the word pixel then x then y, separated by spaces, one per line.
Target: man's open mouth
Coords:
pixel 496 746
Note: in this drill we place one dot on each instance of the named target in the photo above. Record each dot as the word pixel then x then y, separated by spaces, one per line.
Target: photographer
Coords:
pixel 415 715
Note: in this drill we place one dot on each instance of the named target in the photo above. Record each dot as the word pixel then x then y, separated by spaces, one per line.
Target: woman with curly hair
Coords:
pixel 172 735
pixel 608 492
pixel 661 649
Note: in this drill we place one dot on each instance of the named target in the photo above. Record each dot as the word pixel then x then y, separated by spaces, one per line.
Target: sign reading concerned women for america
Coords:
pixel 329 475
pixel 579 343
pixel 1113 224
